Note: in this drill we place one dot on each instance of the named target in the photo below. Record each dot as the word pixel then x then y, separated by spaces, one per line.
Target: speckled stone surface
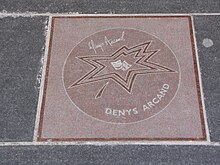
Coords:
pixel 207 27
pixel 21 49
pixel 127 155
pixel 111 6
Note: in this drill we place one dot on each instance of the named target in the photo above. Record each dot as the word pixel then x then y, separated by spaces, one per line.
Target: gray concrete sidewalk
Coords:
pixel 24 27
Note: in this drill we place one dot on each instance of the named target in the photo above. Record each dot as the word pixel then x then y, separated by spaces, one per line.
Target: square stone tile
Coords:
pixel 207 28
pixel 108 155
pixel 111 6
pixel 121 78
pixel 22 43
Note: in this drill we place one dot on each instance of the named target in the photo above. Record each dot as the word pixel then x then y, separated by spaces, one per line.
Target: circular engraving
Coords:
pixel 121 75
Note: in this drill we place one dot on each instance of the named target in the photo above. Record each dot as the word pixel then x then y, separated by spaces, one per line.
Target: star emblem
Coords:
pixel 123 67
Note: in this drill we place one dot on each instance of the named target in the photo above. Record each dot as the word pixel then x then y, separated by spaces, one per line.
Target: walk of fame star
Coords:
pixel 123 66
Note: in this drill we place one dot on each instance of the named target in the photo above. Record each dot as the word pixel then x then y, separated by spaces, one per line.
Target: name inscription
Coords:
pixel 147 106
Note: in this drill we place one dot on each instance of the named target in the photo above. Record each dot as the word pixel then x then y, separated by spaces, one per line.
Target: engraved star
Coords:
pixel 123 73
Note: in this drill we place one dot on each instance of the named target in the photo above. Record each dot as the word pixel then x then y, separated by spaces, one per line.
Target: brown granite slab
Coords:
pixel 121 78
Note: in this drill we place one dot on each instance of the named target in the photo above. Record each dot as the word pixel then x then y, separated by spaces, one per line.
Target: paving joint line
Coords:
pixel 33 14
pixel 124 143
pixel 41 91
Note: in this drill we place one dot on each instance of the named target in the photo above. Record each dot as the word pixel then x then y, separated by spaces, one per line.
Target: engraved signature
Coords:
pixel 107 42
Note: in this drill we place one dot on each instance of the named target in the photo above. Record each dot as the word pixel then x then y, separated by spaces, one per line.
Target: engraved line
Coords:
pixel 101 91
pixel 127 87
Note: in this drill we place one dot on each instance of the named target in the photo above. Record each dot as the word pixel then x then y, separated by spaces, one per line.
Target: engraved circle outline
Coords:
pixel 129 28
